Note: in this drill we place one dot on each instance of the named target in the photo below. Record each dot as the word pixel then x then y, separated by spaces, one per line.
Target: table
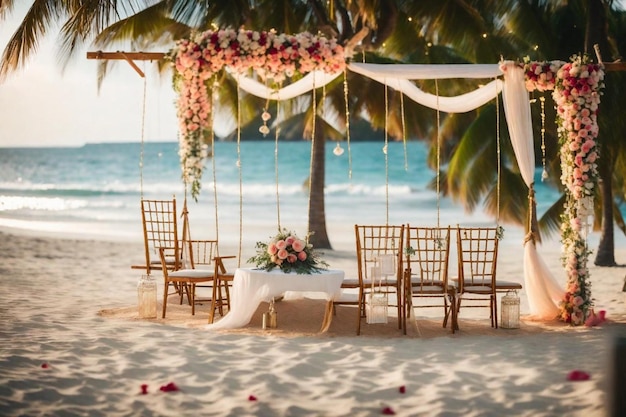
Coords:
pixel 252 286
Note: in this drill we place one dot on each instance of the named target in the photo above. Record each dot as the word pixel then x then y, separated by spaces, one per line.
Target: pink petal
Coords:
pixel 251 398
pixel 388 411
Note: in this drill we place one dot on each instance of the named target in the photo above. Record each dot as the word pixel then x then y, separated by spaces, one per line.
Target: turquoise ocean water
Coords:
pixel 94 190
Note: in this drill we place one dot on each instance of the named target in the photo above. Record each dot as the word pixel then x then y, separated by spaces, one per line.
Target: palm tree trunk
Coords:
pixel 606 247
pixel 317 213
pixel 596 34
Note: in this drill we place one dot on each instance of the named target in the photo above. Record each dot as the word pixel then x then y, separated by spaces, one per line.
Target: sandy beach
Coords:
pixel 72 345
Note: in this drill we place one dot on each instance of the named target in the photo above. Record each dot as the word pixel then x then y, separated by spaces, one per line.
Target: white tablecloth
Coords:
pixel 252 286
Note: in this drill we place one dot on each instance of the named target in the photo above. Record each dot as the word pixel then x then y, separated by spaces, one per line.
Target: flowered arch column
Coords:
pixel 576 89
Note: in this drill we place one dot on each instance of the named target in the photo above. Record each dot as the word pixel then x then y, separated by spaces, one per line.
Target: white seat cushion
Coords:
pixel 191 273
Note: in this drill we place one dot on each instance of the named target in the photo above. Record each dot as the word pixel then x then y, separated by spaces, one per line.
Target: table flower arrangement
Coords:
pixel 289 253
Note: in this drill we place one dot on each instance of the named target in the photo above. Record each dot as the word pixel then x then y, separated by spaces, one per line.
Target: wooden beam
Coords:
pixel 137 56
pixel 614 66
pixel 129 57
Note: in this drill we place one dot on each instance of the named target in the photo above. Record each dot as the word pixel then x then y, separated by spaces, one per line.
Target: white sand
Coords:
pixel 71 305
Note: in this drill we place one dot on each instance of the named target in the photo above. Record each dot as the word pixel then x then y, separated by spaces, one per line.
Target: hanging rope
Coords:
pixel 143 130
pixel 345 97
pixel 385 151
pixel 240 172
pixel 406 160
pixel 499 163
pixel 276 164
pixel 312 150
pixel 214 165
pixel 438 155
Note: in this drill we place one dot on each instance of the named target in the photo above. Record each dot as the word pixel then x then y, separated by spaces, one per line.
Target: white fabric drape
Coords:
pixel 542 290
pixel 315 79
pixel 426 72
pixel 457 104
pixel 518 118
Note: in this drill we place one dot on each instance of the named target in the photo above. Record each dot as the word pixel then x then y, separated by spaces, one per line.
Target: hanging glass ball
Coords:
pixel 544 175
pixel 266 116
pixel 385 149
pixel 264 130
pixel 338 150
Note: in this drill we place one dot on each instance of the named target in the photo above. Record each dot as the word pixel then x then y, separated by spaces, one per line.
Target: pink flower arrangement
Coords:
pixel 287 252
pixel 576 87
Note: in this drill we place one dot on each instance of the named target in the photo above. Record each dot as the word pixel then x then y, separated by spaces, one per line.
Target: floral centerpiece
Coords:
pixel 289 253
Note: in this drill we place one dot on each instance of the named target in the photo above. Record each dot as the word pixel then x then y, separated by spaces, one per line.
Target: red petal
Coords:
pixel 144 389
pixel 402 389
pixel 578 376
pixel 388 411
pixel 44 365
pixel 169 387
pixel 251 398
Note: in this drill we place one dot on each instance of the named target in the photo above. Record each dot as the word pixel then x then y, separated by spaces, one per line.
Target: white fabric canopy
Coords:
pixel 542 290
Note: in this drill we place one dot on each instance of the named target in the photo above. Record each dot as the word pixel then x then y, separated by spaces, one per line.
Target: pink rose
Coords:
pixel 272 249
pixel 298 245
pixel 292 258
pixel 282 254
pixel 281 244
pixel 302 256
pixel 290 240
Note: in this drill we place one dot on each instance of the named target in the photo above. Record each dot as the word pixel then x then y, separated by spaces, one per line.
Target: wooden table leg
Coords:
pixel 328 316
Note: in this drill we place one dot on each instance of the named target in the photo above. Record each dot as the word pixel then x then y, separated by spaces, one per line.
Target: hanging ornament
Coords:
pixel 338 151
pixel 544 173
pixel 385 149
pixel 265 116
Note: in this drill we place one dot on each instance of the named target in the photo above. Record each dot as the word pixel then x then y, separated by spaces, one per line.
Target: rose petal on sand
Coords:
pixel 169 387
pixel 45 365
pixel 251 398
pixel 402 389
pixel 578 375
pixel 144 389
pixel 388 411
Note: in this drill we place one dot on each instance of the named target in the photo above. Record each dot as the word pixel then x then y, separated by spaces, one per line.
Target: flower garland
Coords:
pixel 576 89
pixel 274 57
pixel 289 253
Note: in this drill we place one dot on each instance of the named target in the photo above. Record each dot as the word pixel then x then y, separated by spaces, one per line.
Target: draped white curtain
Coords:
pixel 542 289
pixel 314 79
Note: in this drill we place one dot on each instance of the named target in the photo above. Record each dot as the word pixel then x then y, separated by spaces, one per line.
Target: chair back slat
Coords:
pixel 373 243
pixel 477 256
pixel 159 227
pixel 427 256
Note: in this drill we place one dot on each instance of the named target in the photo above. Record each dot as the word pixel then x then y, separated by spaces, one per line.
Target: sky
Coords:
pixel 42 105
